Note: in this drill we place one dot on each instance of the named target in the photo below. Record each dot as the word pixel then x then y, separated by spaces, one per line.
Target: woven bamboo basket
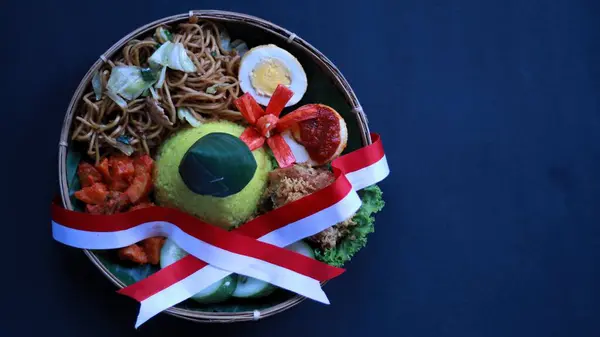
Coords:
pixel 270 33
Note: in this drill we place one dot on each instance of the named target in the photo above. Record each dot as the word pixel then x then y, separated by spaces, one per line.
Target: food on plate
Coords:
pixel 183 67
pixel 147 251
pixel 319 140
pixel 117 183
pixel 314 134
pixel 290 184
pixel 337 244
pixel 120 184
pixel 356 238
pixel 165 123
pixel 265 67
pixel 226 212
pixel 216 292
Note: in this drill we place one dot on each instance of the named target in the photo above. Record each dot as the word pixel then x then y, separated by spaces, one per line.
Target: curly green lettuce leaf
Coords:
pixel 372 202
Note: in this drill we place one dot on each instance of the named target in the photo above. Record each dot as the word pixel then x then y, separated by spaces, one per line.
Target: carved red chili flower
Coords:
pixel 267 126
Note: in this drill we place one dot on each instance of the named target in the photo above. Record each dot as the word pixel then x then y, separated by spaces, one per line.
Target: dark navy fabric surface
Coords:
pixel 490 117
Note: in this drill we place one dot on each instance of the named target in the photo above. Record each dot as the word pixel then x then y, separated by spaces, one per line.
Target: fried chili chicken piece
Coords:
pixel 118 184
pixel 133 253
pixel 152 247
pixel 146 251
pixel 94 194
pixel 141 185
pixel 141 205
pixel 114 202
pixel 294 182
pixel 88 175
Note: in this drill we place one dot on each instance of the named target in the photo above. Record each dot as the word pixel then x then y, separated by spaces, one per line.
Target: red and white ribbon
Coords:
pixel 250 250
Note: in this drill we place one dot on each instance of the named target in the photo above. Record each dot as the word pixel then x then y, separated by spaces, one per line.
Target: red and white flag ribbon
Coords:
pixel 251 250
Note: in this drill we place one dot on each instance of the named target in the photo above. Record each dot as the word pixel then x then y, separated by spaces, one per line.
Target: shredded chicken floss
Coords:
pixel 292 183
pixel 102 124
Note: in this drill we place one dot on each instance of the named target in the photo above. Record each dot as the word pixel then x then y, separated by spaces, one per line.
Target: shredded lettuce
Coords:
pixel 186 114
pixel 239 46
pixel 123 144
pixel 372 202
pixel 224 38
pixel 129 82
pixel 117 99
pixel 153 93
pixel 97 85
pixel 226 44
pixel 161 78
pixel 162 35
pixel 172 55
pixel 213 88
pixel 148 75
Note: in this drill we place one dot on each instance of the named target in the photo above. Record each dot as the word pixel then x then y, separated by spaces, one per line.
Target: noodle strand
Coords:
pixel 101 124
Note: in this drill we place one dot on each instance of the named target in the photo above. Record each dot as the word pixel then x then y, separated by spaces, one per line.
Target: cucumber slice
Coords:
pixel 171 253
pixel 216 292
pixel 303 248
pixel 249 287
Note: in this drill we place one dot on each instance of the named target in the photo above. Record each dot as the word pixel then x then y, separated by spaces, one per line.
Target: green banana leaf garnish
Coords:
pixel 73 159
pixel 218 164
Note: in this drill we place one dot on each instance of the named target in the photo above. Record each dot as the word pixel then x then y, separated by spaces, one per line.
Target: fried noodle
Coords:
pixel 101 123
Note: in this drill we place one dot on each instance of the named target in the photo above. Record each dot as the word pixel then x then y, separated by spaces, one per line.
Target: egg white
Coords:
pixel 299 151
pixel 256 55
pixel 301 154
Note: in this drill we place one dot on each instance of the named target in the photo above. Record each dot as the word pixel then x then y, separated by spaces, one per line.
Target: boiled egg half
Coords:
pixel 318 141
pixel 264 67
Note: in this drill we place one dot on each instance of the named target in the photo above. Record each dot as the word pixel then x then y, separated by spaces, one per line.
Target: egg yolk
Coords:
pixel 268 74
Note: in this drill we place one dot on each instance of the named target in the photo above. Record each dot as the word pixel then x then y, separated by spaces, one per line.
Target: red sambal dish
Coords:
pixel 121 184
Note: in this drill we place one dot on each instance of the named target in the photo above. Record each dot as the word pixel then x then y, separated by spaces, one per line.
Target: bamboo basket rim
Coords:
pixel 223 16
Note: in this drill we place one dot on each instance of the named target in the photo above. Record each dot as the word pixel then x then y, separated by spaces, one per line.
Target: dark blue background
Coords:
pixel 489 113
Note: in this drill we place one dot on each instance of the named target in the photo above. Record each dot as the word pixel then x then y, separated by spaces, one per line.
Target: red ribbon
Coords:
pixel 241 240
pixel 233 241
pixel 269 222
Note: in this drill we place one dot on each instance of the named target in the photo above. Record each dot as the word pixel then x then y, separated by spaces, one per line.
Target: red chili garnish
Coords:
pixel 281 150
pixel 265 123
pixel 249 108
pixel 303 113
pixel 280 97
pixel 252 138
